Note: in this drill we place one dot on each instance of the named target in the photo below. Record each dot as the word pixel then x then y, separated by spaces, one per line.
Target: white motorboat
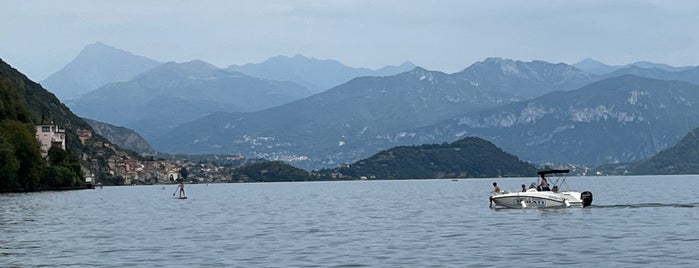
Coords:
pixel 536 197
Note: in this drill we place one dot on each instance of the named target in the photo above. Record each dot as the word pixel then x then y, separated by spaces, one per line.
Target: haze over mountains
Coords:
pixel 598 68
pixel 96 65
pixel 316 75
pixel 174 93
pixel 159 98
pixel 334 126
pixel 537 110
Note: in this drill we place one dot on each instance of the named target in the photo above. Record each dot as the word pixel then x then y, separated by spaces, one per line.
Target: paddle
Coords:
pixel 173 194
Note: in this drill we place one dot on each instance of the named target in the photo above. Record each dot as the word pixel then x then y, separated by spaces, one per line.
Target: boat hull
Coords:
pixel 536 199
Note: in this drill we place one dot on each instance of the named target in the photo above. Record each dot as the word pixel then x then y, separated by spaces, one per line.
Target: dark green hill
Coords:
pixel 466 158
pixel 42 106
pixel 23 105
pixel 270 171
pixel 682 158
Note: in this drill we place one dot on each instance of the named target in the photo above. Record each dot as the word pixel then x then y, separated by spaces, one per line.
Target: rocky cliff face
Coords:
pixel 124 137
pixel 620 119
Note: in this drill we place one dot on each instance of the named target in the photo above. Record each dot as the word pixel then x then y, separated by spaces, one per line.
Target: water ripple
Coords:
pixel 433 223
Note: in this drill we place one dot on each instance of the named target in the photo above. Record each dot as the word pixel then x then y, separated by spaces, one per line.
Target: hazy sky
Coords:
pixel 40 37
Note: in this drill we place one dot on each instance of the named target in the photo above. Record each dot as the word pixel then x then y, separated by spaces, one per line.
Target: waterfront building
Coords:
pixel 49 136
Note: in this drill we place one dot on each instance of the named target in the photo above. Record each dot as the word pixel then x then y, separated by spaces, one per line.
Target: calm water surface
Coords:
pixel 633 222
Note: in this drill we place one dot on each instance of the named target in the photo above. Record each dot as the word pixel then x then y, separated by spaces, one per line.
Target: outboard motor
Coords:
pixel 586 198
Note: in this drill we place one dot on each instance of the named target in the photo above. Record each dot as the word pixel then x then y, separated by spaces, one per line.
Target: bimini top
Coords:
pixel 553 171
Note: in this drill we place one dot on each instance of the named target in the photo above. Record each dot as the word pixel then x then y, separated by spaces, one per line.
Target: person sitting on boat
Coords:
pixel 544 185
pixel 524 188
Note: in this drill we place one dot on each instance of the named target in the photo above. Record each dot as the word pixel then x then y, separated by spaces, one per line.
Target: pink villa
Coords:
pixel 49 136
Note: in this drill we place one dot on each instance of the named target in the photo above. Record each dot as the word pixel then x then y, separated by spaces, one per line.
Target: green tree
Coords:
pixel 70 171
pixel 184 173
pixel 20 144
pixel 58 156
pixel 11 105
pixel 58 177
pixel 9 165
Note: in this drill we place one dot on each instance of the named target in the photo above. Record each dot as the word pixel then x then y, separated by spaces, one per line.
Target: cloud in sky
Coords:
pixel 40 37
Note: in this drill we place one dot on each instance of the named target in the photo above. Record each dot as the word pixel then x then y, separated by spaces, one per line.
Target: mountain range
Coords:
pixel 116 87
pixel 96 65
pixel 316 75
pixel 619 119
pixel 688 75
pixel 588 113
pixel 334 126
pixel 598 68
pixel 173 93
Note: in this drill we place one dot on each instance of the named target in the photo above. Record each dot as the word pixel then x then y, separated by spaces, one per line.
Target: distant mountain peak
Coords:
pixel 97 64
pixel 99 49
pixel 493 59
pixel 199 63
pixel 507 67
pixel 590 61
pixel 418 70
pixel 407 64
pixel 98 44
pixel 594 66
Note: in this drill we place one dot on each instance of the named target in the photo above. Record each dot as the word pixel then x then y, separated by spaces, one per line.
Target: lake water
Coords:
pixel 645 221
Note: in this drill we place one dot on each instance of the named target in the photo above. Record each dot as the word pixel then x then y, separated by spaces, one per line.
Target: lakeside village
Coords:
pixel 126 170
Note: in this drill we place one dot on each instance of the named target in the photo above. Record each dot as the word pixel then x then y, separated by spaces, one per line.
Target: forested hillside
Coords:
pixel 466 158
pixel 24 104
pixel 682 158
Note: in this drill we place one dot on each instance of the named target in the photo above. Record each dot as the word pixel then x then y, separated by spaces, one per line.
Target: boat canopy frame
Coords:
pixel 553 171
pixel 559 180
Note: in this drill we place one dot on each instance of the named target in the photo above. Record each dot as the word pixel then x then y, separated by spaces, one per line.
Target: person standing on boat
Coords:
pixel 496 190
pixel 544 185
